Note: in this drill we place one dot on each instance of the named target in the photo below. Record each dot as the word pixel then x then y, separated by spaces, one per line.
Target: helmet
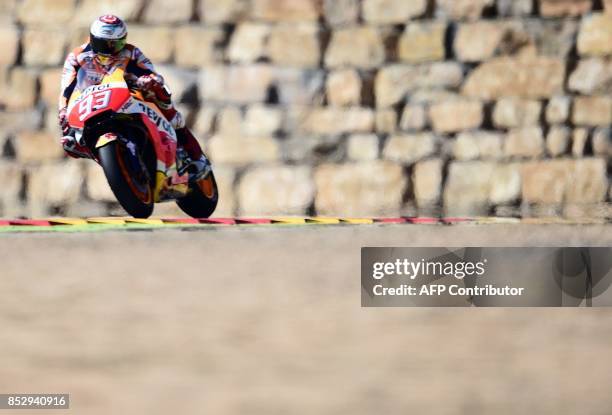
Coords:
pixel 107 35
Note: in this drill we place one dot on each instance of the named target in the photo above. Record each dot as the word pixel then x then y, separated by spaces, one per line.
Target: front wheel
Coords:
pixel 201 201
pixel 127 178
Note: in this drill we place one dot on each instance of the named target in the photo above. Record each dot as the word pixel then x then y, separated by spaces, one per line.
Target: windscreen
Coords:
pixel 87 78
pixel 91 74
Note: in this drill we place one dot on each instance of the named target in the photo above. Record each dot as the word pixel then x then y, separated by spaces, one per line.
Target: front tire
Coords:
pixel 202 199
pixel 130 185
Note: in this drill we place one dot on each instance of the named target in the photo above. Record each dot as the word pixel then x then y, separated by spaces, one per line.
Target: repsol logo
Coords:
pixel 90 90
pixel 159 121
pixel 96 88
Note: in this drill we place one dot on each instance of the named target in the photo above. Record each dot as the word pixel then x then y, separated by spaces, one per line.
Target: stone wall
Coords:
pixel 329 107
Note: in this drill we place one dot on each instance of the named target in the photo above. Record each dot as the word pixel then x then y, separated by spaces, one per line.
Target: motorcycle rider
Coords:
pixel 107 49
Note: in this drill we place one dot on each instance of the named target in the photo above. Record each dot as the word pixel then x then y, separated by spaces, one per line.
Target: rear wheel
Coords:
pixel 202 199
pixel 128 179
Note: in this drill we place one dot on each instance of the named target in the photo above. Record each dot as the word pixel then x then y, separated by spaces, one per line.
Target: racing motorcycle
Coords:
pixel 136 147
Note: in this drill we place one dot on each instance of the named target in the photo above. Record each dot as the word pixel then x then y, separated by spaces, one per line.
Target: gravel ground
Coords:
pixel 268 321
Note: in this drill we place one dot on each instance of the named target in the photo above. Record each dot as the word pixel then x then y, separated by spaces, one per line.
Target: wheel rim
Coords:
pixel 141 189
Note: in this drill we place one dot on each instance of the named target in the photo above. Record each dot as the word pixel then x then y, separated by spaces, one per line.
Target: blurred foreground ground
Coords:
pixel 268 321
pixel 338 107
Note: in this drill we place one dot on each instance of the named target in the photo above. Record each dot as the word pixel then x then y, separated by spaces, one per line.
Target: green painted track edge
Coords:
pixel 90 227
pixel 101 227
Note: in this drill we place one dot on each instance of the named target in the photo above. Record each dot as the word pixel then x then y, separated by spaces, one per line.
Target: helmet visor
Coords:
pixel 106 46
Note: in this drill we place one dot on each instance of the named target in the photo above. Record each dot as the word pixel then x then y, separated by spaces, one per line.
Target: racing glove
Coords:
pixel 152 87
pixel 63 121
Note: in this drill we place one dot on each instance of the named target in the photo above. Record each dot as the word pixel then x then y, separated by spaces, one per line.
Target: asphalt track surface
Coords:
pixel 267 320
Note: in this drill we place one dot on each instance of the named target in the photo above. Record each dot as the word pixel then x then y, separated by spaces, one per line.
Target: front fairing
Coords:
pixel 91 98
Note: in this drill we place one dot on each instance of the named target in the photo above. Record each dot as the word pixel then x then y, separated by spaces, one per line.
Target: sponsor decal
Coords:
pixel 159 121
pixel 96 88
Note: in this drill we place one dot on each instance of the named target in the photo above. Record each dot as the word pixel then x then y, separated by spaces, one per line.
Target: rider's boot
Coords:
pixel 72 147
pixel 198 164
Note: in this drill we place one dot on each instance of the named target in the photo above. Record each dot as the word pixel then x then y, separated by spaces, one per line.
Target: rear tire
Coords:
pixel 202 199
pixel 135 196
